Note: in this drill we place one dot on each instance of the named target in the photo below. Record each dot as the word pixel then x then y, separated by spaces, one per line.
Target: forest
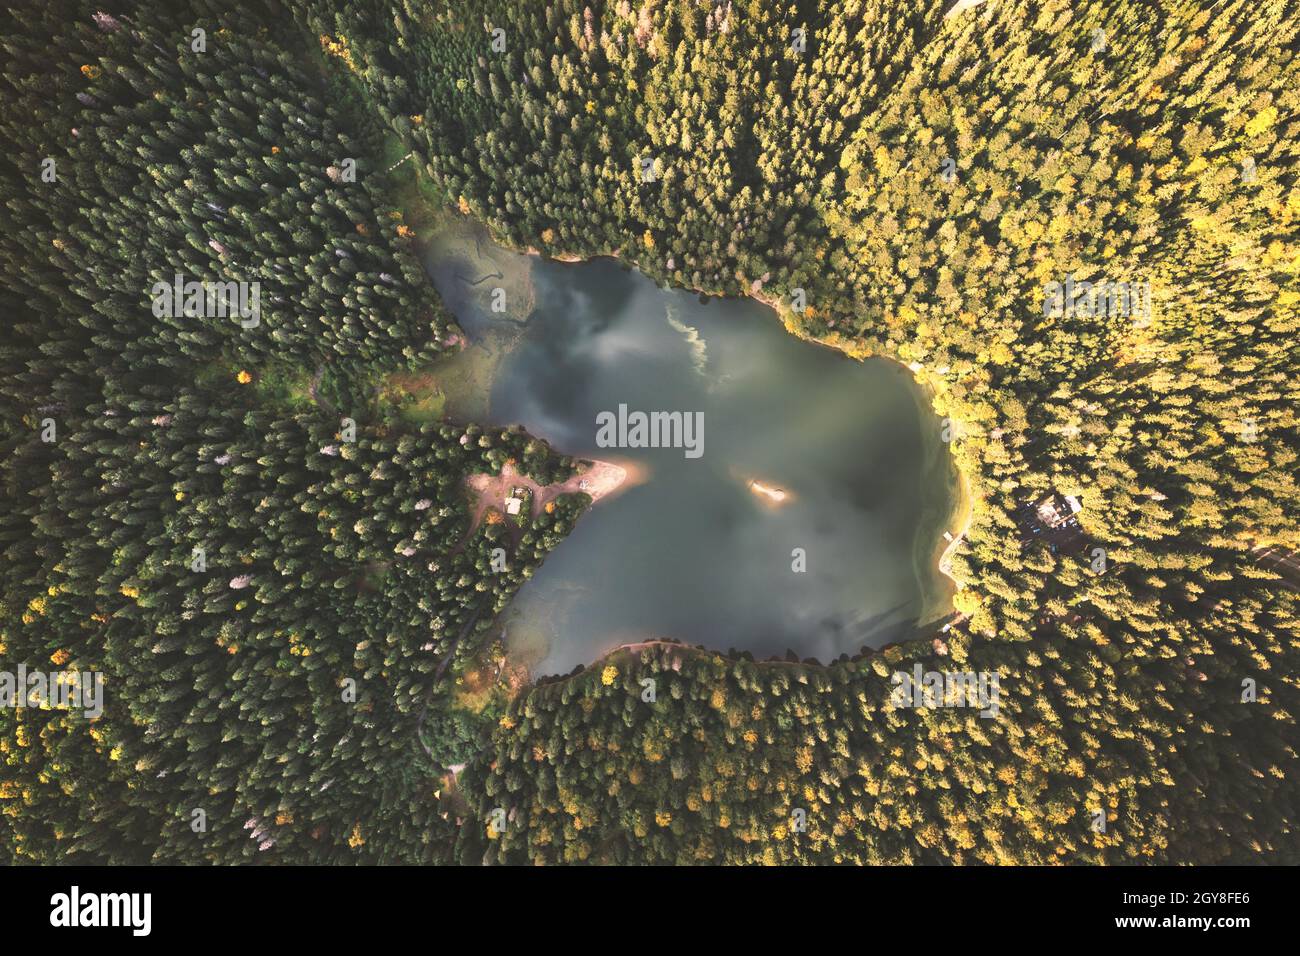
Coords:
pixel 905 180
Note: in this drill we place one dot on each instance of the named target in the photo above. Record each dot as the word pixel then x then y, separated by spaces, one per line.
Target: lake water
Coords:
pixel 691 552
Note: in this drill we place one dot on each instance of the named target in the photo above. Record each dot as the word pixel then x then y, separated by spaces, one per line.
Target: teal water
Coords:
pixel 692 552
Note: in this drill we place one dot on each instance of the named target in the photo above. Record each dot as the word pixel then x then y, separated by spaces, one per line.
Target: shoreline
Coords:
pixel 611 477
pixel 951 527
pixel 965 508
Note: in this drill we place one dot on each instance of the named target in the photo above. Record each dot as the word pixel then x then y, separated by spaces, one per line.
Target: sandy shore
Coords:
pixel 962 514
pixel 603 478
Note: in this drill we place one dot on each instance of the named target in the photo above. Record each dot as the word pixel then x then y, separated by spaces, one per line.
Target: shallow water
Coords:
pixel 692 552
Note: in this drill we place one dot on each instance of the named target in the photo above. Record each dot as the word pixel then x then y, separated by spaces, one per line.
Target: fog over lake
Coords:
pixel 693 552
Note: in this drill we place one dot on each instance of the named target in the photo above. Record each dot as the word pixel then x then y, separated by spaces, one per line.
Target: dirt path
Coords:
pixel 314 385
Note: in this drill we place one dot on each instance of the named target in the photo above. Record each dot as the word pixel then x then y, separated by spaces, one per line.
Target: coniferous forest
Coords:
pixel 277 570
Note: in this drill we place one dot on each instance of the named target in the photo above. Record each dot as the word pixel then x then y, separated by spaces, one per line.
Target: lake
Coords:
pixel 698 549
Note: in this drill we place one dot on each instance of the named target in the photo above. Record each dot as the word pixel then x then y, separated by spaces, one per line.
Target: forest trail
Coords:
pixel 315 385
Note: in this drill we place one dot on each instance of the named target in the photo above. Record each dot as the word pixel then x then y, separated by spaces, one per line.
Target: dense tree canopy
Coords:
pixel 920 181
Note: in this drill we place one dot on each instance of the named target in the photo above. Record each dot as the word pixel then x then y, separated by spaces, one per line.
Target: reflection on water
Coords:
pixel 704 551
